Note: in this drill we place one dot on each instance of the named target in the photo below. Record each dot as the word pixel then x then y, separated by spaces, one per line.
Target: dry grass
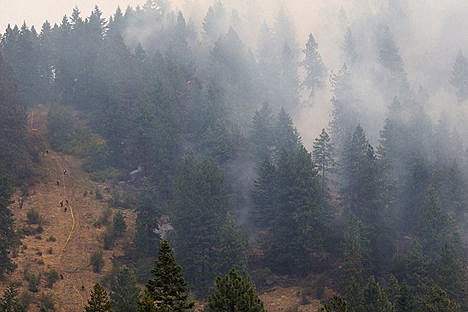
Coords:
pixel 70 258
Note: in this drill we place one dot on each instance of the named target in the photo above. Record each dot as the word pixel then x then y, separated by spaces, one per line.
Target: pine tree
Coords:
pixel 374 299
pixel 207 239
pixel 459 77
pixel 9 302
pixel 314 67
pixel 336 304
pixel 300 218
pixel 8 239
pixel 234 293
pixel 99 301
pixel 323 157
pixel 167 291
pixel 124 292
pixel 437 300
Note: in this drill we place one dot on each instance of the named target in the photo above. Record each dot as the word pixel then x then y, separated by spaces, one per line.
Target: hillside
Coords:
pixel 69 237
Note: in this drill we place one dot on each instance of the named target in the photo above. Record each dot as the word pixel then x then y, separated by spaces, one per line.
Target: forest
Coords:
pixel 204 121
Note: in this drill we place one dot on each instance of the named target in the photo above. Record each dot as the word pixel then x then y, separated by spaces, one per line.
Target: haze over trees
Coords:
pixel 198 118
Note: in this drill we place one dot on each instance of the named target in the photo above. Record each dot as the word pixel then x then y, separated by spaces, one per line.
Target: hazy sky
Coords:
pixel 35 12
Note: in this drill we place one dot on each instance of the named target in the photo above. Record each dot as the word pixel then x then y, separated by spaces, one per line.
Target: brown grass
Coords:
pixel 76 237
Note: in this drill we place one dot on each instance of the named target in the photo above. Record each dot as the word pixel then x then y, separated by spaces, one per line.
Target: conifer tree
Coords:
pixel 10 302
pixel 167 291
pixel 124 292
pixel 437 300
pixel 336 304
pixel 374 299
pixel 314 67
pixel 207 239
pixel 323 157
pixel 99 301
pixel 459 77
pixel 8 239
pixel 234 293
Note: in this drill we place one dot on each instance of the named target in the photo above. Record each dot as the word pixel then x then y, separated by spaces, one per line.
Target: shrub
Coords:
pixel 97 261
pixel 46 303
pixel 51 239
pixel 51 277
pixel 119 225
pixel 33 281
pixel 33 216
pixel 98 194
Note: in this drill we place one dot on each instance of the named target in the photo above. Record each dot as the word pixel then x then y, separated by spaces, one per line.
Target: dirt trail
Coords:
pixel 69 236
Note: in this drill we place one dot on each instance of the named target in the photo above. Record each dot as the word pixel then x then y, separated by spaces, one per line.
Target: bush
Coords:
pixel 33 281
pixel 108 239
pixel 46 303
pixel 104 219
pixel 51 239
pixel 98 194
pixel 119 225
pixel 97 261
pixel 50 251
pixel 33 216
pixel 51 277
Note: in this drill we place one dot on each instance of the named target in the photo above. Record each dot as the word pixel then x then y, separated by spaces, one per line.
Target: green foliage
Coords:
pixel 8 239
pixel 15 154
pixel 323 156
pixel 33 216
pixel 207 240
pixel 97 261
pixel 46 303
pixel 124 292
pixel 437 300
pixel 313 64
pixel 374 298
pixel 10 301
pixel 336 304
pixel 119 226
pixel 167 290
pixel 289 204
pixel 33 281
pixel 99 301
pixel 51 277
pixel 234 292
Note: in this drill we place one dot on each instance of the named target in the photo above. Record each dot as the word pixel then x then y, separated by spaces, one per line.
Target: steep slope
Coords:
pixel 69 235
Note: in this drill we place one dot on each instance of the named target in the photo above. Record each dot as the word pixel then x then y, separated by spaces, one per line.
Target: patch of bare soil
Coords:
pixel 281 299
pixel 69 235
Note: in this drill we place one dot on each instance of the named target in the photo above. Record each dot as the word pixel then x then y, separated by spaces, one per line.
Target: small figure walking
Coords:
pixel 64 171
pixel 65 209
pixel 58 183
pixel 61 203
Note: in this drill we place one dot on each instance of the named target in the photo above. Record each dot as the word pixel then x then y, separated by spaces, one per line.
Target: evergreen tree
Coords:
pixel 437 300
pixel 124 292
pixel 99 301
pixel 300 216
pixel 167 291
pixel 323 156
pixel 261 136
pixel 374 299
pixel 234 293
pixel 286 137
pixel 8 239
pixel 314 67
pixel 336 304
pixel 459 77
pixel 10 302
pixel 207 240
pixel 119 226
